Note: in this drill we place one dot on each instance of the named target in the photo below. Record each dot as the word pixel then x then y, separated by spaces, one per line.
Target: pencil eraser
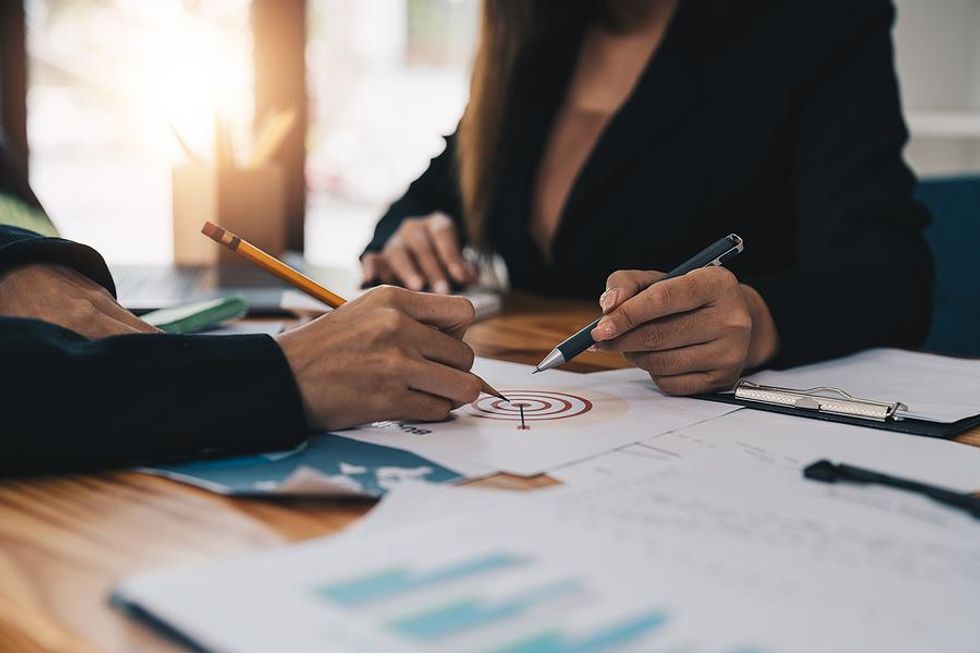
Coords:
pixel 213 231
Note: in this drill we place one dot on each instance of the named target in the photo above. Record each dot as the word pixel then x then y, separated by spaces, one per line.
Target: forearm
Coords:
pixel 823 311
pixel 69 403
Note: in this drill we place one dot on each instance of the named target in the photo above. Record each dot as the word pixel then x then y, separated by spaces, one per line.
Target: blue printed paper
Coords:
pixel 325 465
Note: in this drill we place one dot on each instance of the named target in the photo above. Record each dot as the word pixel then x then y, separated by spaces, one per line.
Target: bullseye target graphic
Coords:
pixel 529 406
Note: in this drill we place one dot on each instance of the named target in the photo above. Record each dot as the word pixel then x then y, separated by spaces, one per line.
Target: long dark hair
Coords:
pixel 509 33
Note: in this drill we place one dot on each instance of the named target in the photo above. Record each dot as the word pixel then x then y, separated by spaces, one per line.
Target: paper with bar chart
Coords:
pixel 448 588
pixel 550 419
pixel 712 560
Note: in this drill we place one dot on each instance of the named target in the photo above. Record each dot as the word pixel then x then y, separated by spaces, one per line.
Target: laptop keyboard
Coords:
pixel 158 281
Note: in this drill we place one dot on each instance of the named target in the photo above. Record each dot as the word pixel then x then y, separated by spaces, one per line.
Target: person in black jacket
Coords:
pixel 85 384
pixel 608 139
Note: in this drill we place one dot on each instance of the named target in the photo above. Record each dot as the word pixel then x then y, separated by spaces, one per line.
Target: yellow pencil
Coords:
pixel 291 276
pixel 271 264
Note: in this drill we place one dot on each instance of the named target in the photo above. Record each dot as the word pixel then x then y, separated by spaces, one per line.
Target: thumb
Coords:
pixel 624 284
pixel 369 267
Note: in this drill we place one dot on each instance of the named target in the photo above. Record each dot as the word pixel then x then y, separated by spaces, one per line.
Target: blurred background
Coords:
pixel 110 81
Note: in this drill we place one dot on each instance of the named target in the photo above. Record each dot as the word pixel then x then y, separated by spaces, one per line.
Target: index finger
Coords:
pixel 452 315
pixel 438 346
pixel 443 233
pixel 113 310
pixel 678 295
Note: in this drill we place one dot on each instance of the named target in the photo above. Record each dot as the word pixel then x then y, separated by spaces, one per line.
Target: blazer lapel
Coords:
pixel 684 63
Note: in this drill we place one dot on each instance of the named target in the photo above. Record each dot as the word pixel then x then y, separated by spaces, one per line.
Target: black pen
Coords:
pixel 828 472
pixel 715 254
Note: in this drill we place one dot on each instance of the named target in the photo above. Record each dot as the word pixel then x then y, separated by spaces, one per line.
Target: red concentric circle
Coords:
pixel 538 405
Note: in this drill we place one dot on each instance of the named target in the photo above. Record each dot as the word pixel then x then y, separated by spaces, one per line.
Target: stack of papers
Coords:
pixel 567 417
pixel 715 560
pixel 767 440
pixel 685 526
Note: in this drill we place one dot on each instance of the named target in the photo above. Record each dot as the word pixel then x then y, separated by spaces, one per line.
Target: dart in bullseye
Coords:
pixel 523 426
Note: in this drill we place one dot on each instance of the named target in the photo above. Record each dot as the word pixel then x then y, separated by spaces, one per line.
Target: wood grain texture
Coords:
pixel 66 541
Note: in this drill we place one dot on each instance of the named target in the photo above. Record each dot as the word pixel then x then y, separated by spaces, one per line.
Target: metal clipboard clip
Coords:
pixel 821 399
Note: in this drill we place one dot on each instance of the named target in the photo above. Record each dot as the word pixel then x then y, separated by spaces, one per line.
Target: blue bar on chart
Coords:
pixel 471 613
pixel 607 639
pixel 398 581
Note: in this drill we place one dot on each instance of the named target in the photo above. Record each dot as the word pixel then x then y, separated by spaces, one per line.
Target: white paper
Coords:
pixel 569 417
pixel 412 503
pixel 626 461
pixel 721 558
pixel 935 388
pixel 774 440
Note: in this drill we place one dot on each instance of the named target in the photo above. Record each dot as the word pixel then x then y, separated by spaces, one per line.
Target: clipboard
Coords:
pixel 836 405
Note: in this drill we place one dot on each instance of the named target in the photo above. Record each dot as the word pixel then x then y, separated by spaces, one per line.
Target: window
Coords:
pixel 387 79
pixel 111 80
pixel 108 79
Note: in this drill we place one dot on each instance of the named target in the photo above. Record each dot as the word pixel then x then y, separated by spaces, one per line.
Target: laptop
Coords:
pixel 144 288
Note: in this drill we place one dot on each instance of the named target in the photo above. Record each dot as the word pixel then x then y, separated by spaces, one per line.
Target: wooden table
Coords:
pixel 65 541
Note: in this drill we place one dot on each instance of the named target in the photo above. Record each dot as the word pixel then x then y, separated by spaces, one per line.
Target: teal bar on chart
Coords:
pixel 608 639
pixel 471 613
pixel 399 581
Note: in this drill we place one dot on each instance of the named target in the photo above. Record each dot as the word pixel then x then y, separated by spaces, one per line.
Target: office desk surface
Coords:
pixel 65 541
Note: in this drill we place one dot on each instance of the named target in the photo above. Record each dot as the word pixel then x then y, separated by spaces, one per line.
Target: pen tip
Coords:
pixel 536 370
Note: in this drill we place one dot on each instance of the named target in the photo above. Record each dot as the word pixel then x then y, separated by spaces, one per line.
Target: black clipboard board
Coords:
pixel 892 422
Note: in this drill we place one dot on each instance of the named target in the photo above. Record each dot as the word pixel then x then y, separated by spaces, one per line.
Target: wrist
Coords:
pixel 292 349
pixel 764 343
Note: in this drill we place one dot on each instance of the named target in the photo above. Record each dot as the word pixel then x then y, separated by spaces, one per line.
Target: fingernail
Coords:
pixel 608 299
pixel 605 330
pixel 415 283
pixel 457 271
pixel 440 287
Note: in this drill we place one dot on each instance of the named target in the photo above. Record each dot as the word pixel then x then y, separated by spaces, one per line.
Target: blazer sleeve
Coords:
pixel 22 247
pixel 864 273
pixel 68 403
pixel 436 190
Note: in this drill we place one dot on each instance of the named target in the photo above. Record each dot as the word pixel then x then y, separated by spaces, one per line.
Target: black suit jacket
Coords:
pixel 775 119
pixel 69 403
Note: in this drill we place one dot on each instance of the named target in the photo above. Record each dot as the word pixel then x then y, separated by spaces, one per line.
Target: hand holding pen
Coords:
pixel 694 329
pixel 695 333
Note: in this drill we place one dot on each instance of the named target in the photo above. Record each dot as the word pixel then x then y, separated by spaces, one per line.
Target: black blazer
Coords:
pixel 69 403
pixel 775 119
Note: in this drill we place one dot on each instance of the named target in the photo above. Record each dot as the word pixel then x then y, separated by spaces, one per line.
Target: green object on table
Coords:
pixel 198 316
pixel 15 213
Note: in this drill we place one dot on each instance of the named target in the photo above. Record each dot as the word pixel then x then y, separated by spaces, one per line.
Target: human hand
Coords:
pixel 378 358
pixel 66 297
pixel 693 334
pixel 423 253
